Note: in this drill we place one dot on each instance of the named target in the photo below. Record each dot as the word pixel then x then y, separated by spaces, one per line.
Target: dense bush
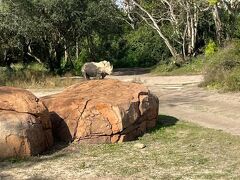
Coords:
pixel 210 49
pixel 191 67
pixel 223 69
pixel 232 82
pixel 144 49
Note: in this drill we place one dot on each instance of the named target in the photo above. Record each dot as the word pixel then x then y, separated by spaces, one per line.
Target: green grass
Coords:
pixel 174 150
pixel 194 67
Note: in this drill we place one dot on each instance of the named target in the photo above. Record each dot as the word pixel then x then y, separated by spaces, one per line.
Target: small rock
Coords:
pixel 139 145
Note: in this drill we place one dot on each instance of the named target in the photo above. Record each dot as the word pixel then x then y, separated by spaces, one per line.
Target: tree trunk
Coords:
pixel 192 24
pixel 5 55
pixel 218 24
pixel 59 53
pixel 65 53
pixel 155 26
pixel 49 53
pixel 77 50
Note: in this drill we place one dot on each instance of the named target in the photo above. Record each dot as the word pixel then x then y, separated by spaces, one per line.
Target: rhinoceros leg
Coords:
pixel 86 76
pixel 103 75
pixel 98 76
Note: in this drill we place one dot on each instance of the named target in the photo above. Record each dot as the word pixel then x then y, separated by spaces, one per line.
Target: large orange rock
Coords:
pixel 25 126
pixel 102 111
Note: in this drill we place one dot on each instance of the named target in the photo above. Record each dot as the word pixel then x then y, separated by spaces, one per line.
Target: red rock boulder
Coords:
pixel 102 111
pixel 25 126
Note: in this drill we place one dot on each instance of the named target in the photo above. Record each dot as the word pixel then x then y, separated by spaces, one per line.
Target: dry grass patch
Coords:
pixel 36 79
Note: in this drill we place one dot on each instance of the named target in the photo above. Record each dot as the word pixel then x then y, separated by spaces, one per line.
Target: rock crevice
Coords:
pixel 80 116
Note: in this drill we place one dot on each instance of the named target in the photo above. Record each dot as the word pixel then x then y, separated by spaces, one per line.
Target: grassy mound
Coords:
pixel 192 67
pixel 223 68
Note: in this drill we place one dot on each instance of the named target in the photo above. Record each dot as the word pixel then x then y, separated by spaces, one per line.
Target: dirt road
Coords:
pixel 181 98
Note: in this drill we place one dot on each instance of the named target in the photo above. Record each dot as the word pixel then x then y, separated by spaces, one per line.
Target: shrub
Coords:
pixel 210 49
pixel 78 63
pixel 142 48
pixel 163 68
pixel 223 68
pixel 232 82
pixel 192 66
pixel 36 67
pixel 17 66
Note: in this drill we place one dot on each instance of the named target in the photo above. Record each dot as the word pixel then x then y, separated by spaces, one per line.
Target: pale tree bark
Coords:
pixel 77 50
pixel 232 6
pixel 5 55
pixel 65 53
pixel 128 8
pixel 192 16
pixel 29 53
pixel 182 16
pixel 218 23
pixel 152 23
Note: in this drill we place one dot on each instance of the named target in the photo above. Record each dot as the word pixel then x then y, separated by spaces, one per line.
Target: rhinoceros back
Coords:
pixel 90 69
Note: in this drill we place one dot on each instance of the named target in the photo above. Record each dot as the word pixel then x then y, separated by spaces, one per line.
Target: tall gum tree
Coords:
pixel 217 20
pixel 181 16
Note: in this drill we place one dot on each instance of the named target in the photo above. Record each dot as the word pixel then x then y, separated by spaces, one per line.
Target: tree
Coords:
pixel 180 17
pixel 49 31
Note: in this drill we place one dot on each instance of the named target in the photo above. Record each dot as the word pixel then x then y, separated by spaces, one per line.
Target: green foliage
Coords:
pixel 36 67
pixel 78 63
pixel 193 66
pixel 223 68
pixel 210 49
pixel 164 69
pixel 232 82
pixel 143 48
pixel 237 27
pixel 41 30
pixel 17 66
pixel 213 2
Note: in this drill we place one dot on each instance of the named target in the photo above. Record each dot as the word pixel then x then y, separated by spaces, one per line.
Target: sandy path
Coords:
pixel 181 98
